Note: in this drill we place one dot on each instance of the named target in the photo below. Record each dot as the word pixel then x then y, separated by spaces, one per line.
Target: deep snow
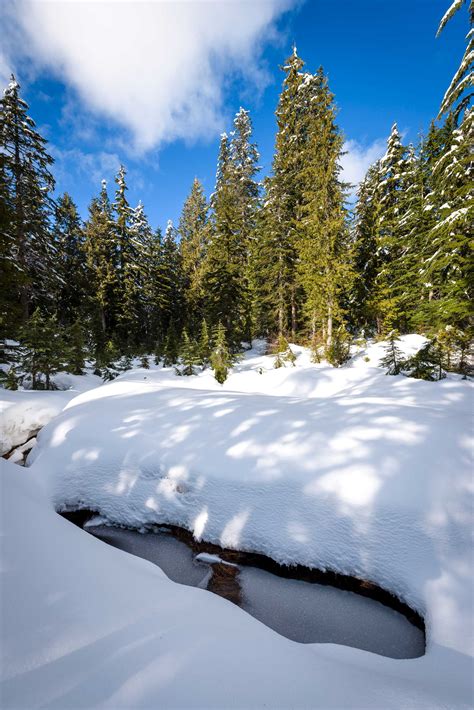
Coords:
pixel 345 469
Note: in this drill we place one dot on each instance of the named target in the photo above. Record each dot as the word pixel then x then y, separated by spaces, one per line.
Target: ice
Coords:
pixel 172 556
pixel 310 613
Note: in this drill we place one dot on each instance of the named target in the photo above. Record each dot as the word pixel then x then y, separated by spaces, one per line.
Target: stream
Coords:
pixel 307 606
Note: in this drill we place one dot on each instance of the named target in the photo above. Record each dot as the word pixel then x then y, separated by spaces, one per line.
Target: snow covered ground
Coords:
pixel 24 412
pixel 345 469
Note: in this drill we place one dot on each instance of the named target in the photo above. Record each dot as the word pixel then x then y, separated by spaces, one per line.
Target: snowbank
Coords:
pixel 25 412
pixel 85 626
pixel 346 469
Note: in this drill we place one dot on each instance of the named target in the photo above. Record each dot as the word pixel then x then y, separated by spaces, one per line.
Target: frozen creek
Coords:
pixel 304 605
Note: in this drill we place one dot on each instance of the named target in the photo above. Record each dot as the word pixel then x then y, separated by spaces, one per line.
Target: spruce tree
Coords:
pixel 189 356
pixel 224 280
pixel 26 186
pixel 204 345
pixel 322 237
pixel 42 349
pixel 365 262
pixel 276 267
pixel 75 348
pixel 101 258
pixel 221 358
pixel 193 232
pixel 389 236
pixel 393 358
pixel 127 266
pixel 70 261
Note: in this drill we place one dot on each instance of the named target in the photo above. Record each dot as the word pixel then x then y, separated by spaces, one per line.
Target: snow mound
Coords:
pixel 86 626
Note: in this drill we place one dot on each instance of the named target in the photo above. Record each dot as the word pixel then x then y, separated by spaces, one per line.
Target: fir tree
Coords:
pixel 189 356
pixel 276 268
pixel 367 211
pixel 76 349
pixel 221 358
pixel 171 347
pixel 101 256
pixel 42 349
pixel 127 265
pixel 322 241
pixel 224 280
pixel 393 359
pixel 459 95
pixel 204 345
pixel 389 235
pixel 70 261
pixel 26 184
pixel 194 231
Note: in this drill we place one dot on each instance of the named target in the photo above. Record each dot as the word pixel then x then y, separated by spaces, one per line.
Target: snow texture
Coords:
pixel 344 469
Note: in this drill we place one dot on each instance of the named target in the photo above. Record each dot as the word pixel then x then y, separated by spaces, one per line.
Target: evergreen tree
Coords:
pixel 389 236
pixel 322 238
pixel 127 266
pixel 76 349
pixel 171 346
pixel 448 264
pixel 276 268
pixel 221 358
pixel 189 356
pixel 365 262
pixel 42 349
pixel 70 261
pixel 234 204
pixel 193 231
pixel 171 287
pixel 458 96
pixel 204 345
pixel 101 257
pixel 26 184
pixel 393 359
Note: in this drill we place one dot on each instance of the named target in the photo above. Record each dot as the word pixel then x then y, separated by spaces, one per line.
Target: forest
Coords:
pixel 286 257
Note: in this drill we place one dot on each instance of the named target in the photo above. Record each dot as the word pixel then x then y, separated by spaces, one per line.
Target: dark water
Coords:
pixel 304 611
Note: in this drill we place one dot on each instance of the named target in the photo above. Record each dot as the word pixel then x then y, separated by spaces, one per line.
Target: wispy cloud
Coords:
pixel 156 67
pixel 91 166
pixel 358 158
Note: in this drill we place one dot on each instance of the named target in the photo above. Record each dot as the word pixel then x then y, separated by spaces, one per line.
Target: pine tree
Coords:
pixel 393 359
pixel 171 346
pixel 204 345
pixel 26 183
pixel 189 356
pixel 127 266
pixel 42 349
pixel 221 358
pixel 101 257
pixel 194 231
pixel 365 262
pixel 145 244
pixel 389 237
pixel 70 261
pixel 171 287
pixel 458 95
pixel 76 349
pixel 322 237
pixel 224 280
pixel 448 264
pixel 276 268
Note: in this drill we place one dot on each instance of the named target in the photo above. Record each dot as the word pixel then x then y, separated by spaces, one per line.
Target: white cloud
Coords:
pixel 92 166
pixel 158 67
pixel 358 158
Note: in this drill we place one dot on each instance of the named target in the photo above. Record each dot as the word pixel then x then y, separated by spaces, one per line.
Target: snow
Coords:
pixel 344 469
pixel 24 412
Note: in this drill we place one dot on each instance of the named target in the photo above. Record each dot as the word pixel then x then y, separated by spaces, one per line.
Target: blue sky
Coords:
pixel 383 61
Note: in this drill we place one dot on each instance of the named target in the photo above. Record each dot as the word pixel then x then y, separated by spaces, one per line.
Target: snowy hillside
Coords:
pixel 343 469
